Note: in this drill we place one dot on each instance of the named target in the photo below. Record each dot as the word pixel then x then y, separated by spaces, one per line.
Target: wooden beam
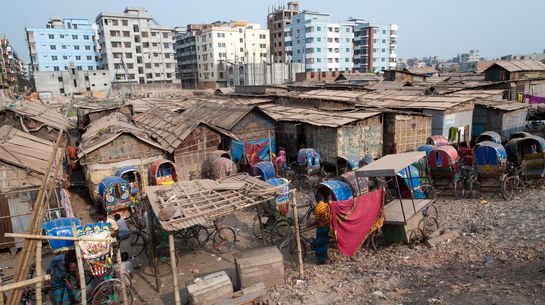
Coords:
pixel 45 237
pixel 81 275
pixel 121 276
pixel 297 236
pixel 39 272
pixel 25 283
pixel 172 249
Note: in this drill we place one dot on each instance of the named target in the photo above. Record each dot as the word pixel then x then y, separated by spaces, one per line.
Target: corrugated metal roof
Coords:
pixel 107 129
pixel 333 95
pixel 169 128
pixel 503 105
pixel 176 105
pixel 199 201
pixel 24 150
pixel 43 113
pixel 521 65
pixel 315 117
pixel 412 102
pixel 421 71
pixel 222 115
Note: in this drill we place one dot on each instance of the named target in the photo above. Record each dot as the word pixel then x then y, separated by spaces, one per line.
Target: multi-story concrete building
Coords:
pixel 221 45
pixel 278 21
pixel 185 49
pixel 375 46
pixel 321 44
pixel 130 41
pixel 61 43
pixel 11 72
pixel 96 83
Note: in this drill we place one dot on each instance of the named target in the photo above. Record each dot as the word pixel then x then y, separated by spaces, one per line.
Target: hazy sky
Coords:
pixel 426 27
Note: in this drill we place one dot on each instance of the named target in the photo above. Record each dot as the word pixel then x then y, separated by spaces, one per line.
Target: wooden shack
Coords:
pixel 514 70
pixel 91 112
pixel 112 142
pixel 187 142
pixel 321 99
pixel 38 119
pixel 503 117
pixel 24 161
pixel 408 130
pixel 247 123
pixel 333 134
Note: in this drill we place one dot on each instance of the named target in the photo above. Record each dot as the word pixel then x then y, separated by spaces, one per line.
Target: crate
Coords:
pixel 261 265
pixel 211 287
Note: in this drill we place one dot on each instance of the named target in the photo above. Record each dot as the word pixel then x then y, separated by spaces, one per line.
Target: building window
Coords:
pixel 79 69
pixel 383 31
pixel 74 36
pixel 166 45
pixel 128 55
pixel 126 34
pixel 78 57
pixel 347 59
pixel 88 48
pixel 55 68
pixel 86 37
pixel 54 58
pixel 63 47
pixel 153 34
pixel 348 30
pixel 51 36
pixel 127 44
pixel 125 22
pixel 62 36
pixel 53 47
pixel 89 57
pixel 90 68
pixel 65 57
pixel 318 29
pixel 76 47
pixel 165 35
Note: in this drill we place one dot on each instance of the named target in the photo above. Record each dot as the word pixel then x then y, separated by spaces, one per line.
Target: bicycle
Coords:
pixel 514 185
pixel 463 180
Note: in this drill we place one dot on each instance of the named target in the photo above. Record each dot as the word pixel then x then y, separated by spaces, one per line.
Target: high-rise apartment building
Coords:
pixel 11 67
pixel 221 46
pixel 375 46
pixel 319 43
pixel 62 43
pixel 130 41
pixel 185 54
pixel 278 21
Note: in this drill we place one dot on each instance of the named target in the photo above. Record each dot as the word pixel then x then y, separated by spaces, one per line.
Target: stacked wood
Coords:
pixel 210 288
pixel 260 265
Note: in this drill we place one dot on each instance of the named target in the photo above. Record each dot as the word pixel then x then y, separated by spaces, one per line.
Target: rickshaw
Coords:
pixel 426 148
pixel 115 196
pixel 307 169
pixel 437 140
pixel 223 167
pixel 443 167
pixel 348 162
pixel 334 190
pixel 208 165
pixel 359 187
pixel 102 285
pixel 132 175
pixel 264 170
pixel 521 134
pixel 526 157
pixel 409 213
pixel 163 172
pixel 491 136
pixel 491 165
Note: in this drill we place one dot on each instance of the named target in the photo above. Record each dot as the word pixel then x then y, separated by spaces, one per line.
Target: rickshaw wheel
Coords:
pixel 304 183
pixel 109 292
pixel 280 233
pixel 431 211
pixel 256 229
pixel 429 191
pixel 415 236
pixel 371 241
pixel 511 187
pixel 134 244
pixel 428 225
pixel 459 188
pixel 474 188
pixel 293 248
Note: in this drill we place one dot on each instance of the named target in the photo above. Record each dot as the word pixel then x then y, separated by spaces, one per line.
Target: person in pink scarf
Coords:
pixel 280 162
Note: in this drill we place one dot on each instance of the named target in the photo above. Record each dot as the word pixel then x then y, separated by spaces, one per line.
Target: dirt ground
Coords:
pixel 499 259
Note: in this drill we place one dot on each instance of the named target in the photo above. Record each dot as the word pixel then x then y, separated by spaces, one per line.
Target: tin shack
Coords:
pixel 408 130
pixel 24 161
pixel 503 117
pixel 333 134
pixel 112 142
pixel 186 141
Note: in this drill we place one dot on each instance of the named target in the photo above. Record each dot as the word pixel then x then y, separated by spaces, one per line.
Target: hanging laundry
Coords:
pixel 354 219
pixel 534 99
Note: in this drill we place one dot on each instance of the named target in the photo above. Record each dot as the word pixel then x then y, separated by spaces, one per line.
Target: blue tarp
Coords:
pixel 339 189
pixel 489 153
pixel 60 227
pixel 427 148
pixel 264 169
pixel 237 149
pixel 412 180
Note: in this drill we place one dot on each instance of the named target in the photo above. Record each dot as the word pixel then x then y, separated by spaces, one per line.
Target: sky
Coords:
pixel 426 27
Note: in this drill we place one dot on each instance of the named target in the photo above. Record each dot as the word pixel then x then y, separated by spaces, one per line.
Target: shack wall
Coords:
pixel 442 122
pixel 13 178
pixel 365 137
pixel 34 127
pixel 286 137
pixel 255 125
pixel 324 140
pixel 407 131
pixel 191 154
pixel 514 121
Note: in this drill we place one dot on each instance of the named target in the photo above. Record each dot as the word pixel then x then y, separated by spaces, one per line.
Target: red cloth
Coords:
pixel 355 218
pixel 252 152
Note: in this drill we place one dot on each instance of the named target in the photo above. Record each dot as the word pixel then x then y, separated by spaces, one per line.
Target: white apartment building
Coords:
pixel 146 48
pixel 222 47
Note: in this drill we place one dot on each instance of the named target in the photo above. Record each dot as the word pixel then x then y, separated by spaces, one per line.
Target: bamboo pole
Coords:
pixel 172 249
pixel 154 246
pixel 45 237
pixel 121 276
pixel 81 276
pixel 36 219
pixel 297 237
pixel 260 225
pixel 1 293
pixel 39 272
pixel 25 283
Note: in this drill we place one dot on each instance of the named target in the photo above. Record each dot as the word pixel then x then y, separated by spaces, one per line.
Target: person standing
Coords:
pixel 322 212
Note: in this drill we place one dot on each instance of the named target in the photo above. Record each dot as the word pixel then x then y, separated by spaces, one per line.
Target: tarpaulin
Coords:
pixel 354 219
pixel 534 99
pixel 237 149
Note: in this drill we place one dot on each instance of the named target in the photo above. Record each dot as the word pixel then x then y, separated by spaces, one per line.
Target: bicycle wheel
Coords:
pixel 304 184
pixel 512 187
pixel 459 188
pixel 280 234
pixel 109 292
pixel 293 247
pixel 197 237
pixel 224 240
pixel 134 244
pixel 429 191
pixel 136 217
pixel 256 229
